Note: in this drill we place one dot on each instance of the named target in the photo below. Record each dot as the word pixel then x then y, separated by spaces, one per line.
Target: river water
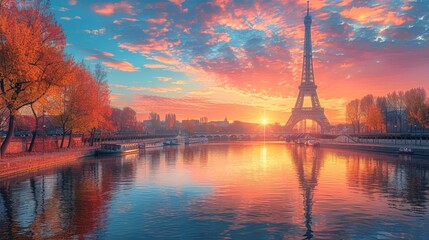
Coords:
pixel 247 190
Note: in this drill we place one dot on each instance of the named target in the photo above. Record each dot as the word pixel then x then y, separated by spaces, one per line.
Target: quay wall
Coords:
pixel 32 163
pixel 417 150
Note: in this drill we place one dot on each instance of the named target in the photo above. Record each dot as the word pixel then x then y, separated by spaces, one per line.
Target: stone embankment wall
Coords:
pixel 49 144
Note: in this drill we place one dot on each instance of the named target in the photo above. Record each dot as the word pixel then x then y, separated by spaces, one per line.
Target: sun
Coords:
pixel 264 121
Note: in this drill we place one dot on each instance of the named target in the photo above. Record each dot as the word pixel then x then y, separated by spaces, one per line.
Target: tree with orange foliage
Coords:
pixel 374 118
pixel 31 56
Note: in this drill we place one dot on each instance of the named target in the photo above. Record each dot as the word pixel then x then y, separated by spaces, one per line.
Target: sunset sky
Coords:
pixel 238 58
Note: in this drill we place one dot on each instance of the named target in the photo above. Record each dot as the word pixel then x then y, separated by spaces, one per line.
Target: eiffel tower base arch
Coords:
pixel 317 115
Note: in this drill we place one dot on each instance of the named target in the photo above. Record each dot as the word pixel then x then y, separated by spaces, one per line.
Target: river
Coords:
pixel 244 190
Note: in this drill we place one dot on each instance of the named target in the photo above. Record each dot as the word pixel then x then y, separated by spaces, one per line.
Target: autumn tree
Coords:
pixel 170 121
pixel 374 120
pixel 354 114
pixel 78 105
pixel 415 100
pixel 365 103
pixel 31 56
pixel 396 110
pixel 189 127
pixel 102 114
pixel 154 118
pixel 129 119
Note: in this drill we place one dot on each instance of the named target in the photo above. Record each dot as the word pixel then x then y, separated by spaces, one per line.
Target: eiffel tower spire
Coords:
pixel 308 86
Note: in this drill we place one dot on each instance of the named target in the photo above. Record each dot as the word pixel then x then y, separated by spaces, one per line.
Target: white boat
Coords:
pixel 405 150
pixel 192 140
pixel 170 142
pixel 153 145
pixel 312 142
pixel 117 148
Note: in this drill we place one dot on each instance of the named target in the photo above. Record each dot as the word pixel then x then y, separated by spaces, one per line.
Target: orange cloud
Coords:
pixel 164 79
pixel 150 45
pixel 149 89
pixel 166 60
pixel 110 8
pixel 121 65
pixel 107 54
pixel 219 37
pixel 179 82
pixel 155 66
pixel 157 20
pixel 376 14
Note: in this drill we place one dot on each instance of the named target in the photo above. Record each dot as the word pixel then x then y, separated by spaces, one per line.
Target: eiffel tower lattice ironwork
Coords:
pixel 308 87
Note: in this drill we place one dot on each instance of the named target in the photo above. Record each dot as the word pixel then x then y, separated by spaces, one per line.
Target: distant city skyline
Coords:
pixel 235 59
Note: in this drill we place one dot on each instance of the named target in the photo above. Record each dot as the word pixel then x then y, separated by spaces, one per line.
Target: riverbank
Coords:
pixel 36 162
pixel 417 150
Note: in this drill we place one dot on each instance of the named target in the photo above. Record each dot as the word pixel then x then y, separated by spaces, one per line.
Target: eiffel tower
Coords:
pixel 308 87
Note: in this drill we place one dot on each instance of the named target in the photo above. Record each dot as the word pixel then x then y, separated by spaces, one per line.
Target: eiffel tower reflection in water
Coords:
pixel 307 163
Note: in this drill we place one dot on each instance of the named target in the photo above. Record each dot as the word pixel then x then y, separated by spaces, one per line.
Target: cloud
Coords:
pixel 107 54
pixel 155 66
pixel 117 36
pixel 179 82
pixel 164 79
pixel 100 31
pixel 72 2
pixel 166 60
pixel 121 65
pixel 91 57
pixel 376 14
pixel 65 18
pixel 77 17
pixel 63 9
pixel 220 37
pixel 150 45
pixel 110 8
pixel 122 20
pixel 149 89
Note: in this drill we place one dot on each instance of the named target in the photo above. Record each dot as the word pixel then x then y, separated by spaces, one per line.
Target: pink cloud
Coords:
pixel 149 89
pixel 164 79
pixel 72 2
pixel 91 57
pixel 157 20
pixel 121 65
pixel 150 45
pixel 166 60
pixel 178 2
pixel 107 54
pixel 110 8
pixel 155 66
pixel 377 14
pixel 219 37
pixel 179 82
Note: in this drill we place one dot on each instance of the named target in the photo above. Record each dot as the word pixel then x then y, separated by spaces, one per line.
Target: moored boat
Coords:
pixel 192 140
pixel 153 145
pixel 117 148
pixel 170 142
pixel 405 150
pixel 312 142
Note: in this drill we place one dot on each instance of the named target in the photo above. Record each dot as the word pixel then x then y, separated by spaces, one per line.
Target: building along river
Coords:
pixel 245 190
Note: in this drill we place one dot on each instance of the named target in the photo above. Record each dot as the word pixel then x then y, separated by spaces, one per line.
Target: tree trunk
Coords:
pixel 33 138
pixel 91 142
pixel 10 132
pixel 70 139
pixel 62 139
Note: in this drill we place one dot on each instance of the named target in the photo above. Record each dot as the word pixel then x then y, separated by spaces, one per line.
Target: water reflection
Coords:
pixel 243 190
pixel 307 164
